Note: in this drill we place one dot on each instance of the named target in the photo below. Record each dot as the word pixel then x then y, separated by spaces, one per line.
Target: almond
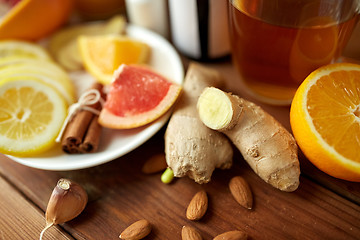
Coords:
pixel 232 235
pixel 156 163
pixel 190 233
pixel 137 230
pixel 241 191
pixel 197 206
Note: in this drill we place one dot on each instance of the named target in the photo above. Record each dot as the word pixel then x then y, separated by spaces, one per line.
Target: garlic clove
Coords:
pixel 67 201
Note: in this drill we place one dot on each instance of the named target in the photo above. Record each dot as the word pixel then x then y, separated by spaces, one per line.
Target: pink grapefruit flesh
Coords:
pixel 137 96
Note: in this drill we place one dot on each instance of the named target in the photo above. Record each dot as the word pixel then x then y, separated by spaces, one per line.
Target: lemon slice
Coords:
pixel 31 115
pixel 102 55
pixel 45 71
pixel 23 49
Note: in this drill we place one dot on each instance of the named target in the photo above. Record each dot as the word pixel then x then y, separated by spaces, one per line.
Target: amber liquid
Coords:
pixel 274 52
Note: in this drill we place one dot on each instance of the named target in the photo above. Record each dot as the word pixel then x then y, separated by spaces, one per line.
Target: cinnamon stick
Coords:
pixel 80 126
pixel 92 137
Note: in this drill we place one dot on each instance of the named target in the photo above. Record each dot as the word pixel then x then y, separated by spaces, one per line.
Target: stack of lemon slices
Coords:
pixel 34 95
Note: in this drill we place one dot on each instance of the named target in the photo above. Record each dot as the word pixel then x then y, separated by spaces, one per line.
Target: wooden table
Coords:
pixel 119 194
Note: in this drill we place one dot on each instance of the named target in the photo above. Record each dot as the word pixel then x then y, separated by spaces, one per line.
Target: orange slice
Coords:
pixel 137 97
pixel 102 55
pixel 325 119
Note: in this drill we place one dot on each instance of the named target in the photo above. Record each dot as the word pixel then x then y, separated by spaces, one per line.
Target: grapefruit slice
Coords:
pixel 137 96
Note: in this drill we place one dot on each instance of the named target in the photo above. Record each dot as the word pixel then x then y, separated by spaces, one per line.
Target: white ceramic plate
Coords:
pixel 116 143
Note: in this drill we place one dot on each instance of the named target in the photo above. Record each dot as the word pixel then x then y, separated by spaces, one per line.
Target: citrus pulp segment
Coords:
pixel 31 116
pixel 325 119
pixel 102 55
pixel 137 96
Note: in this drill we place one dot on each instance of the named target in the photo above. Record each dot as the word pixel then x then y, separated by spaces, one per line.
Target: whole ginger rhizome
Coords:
pixel 195 142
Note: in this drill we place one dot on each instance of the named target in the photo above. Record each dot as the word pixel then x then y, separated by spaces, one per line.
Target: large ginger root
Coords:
pixel 191 148
pixel 269 149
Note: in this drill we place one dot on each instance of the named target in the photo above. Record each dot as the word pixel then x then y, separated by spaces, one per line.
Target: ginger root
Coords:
pixel 268 148
pixel 191 148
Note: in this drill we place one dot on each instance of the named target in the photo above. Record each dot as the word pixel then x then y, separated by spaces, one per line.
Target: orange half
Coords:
pixel 325 119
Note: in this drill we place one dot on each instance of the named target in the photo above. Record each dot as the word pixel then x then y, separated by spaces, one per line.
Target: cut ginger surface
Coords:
pixel 325 119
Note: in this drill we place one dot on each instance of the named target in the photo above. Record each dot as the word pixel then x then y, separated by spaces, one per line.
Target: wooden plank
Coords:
pixel 120 194
pixel 20 219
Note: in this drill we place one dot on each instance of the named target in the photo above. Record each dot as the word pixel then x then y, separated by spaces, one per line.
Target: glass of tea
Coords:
pixel 277 43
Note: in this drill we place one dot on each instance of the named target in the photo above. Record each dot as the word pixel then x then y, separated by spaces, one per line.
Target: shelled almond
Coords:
pixel 232 235
pixel 137 230
pixel 197 206
pixel 190 233
pixel 241 191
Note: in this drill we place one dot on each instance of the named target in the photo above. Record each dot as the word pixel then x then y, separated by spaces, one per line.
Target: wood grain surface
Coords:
pixel 119 194
pixel 20 218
